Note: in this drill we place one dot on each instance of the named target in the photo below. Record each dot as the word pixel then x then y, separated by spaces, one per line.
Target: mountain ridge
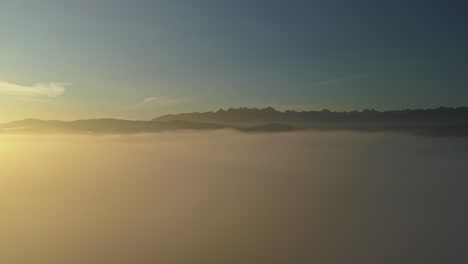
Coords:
pixel 442 121
pixel 269 114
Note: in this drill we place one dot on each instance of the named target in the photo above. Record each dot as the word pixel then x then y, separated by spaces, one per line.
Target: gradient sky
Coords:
pixel 140 59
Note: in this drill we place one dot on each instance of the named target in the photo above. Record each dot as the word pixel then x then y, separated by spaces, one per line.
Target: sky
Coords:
pixel 141 59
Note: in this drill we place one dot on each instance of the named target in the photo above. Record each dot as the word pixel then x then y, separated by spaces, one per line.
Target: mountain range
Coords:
pixel 441 115
pixel 442 121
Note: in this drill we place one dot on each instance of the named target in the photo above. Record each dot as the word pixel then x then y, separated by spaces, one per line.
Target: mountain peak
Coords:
pixel 269 109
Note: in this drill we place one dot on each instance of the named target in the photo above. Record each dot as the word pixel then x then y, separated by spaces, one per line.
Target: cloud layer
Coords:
pixel 226 197
pixel 51 90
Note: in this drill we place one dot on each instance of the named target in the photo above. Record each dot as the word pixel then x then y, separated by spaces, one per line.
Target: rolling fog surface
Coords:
pixel 227 197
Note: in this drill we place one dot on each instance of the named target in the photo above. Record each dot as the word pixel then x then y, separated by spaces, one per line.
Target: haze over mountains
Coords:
pixel 438 121
pixel 441 121
pixel 311 118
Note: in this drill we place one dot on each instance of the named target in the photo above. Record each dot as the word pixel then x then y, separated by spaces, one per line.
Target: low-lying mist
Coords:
pixel 227 197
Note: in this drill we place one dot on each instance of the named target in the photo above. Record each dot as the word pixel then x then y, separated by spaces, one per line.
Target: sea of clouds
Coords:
pixel 228 197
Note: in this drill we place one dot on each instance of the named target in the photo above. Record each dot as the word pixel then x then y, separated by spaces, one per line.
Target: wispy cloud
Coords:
pixel 340 80
pixel 149 100
pixel 51 90
pixel 158 101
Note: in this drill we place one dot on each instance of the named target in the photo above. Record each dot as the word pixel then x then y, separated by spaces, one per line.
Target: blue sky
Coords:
pixel 139 59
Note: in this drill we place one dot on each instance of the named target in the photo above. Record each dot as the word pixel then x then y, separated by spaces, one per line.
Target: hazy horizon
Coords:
pixel 278 109
pixel 113 151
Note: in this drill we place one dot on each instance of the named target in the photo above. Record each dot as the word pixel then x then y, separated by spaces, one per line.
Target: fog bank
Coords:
pixel 228 197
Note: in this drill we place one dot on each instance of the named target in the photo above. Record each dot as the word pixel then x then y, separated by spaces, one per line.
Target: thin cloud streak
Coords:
pixel 157 101
pixel 148 100
pixel 51 90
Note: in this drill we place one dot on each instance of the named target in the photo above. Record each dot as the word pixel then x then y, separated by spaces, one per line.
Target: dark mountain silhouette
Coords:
pixel 441 121
pixel 270 115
